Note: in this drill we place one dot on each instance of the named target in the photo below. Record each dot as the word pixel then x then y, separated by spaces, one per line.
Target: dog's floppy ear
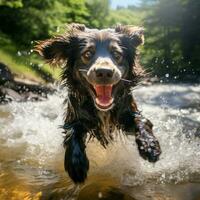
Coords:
pixel 59 48
pixel 54 50
pixel 134 33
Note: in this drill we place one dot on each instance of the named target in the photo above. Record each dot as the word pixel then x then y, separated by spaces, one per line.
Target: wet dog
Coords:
pixel 99 68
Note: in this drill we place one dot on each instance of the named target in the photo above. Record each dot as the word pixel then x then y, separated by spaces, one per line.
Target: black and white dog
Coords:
pixel 100 67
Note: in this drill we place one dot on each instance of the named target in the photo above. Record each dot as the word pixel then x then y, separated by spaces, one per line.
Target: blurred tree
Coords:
pixel 11 3
pixel 36 20
pixel 76 11
pixel 26 23
pixel 190 33
pixel 98 13
pixel 172 35
pixel 172 38
pixel 131 15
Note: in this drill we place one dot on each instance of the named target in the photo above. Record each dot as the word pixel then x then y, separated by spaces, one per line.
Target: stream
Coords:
pixel 32 154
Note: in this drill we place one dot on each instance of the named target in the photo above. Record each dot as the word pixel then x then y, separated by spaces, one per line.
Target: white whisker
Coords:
pixel 83 70
pixel 129 81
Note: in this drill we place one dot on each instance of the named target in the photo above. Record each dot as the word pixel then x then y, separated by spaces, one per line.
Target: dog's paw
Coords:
pixel 77 165
pixel 148 147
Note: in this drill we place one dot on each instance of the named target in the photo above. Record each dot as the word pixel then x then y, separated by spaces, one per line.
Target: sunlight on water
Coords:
pixel 31 154
pixel 173 110
pixel 34 126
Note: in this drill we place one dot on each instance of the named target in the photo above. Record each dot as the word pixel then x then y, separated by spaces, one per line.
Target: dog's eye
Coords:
pixel 117 56
pixel 87 55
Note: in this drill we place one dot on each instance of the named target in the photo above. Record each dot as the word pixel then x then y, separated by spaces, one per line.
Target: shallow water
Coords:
pixel 31 152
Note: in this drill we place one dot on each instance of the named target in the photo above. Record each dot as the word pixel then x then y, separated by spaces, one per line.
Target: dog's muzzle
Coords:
pixel 102 80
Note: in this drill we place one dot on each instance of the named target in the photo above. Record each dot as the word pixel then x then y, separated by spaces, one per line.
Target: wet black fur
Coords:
pixel 82 117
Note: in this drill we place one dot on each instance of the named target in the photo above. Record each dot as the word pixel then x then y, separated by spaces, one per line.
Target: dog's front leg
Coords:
pixel 147 143
pixel 76 161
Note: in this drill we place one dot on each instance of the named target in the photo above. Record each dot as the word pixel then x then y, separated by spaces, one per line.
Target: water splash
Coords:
pixel 31 142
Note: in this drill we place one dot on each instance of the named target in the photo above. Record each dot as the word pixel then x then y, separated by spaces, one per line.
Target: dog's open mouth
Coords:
pixel 104 97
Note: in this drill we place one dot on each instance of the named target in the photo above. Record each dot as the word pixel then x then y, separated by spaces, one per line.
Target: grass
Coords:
pixel 19 62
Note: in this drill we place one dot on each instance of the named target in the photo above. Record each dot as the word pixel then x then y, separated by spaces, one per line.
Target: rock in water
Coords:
pixel 5 74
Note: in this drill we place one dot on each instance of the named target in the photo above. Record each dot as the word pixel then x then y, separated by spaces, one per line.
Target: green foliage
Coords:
pixel 38 19
pixel 126 16
pixel 172 37
pixel 76 11
pixel 27 23
pixel 98 13
pixel 11 3
pixel 22 62
pixel 173 33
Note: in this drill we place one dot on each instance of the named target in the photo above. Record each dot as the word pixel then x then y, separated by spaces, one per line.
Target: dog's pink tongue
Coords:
pixel 103 93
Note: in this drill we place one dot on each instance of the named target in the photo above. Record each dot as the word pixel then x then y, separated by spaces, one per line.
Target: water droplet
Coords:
pixel 19 53
pixel 167 75
pixel 100 195
pixel 163 175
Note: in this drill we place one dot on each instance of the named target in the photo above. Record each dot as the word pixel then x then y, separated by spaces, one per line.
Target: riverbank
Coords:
pixel 14 89
pixel 25 64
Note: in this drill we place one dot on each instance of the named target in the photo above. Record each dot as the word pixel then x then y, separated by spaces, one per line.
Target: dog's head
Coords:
pixel 103 62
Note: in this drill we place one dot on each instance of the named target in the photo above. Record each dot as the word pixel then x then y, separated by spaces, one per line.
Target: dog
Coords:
pixel 99 69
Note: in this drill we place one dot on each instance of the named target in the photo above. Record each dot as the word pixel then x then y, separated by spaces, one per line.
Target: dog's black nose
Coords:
pixel 104 73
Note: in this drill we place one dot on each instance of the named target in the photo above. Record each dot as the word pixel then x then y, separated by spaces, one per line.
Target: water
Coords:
pixel 31 152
